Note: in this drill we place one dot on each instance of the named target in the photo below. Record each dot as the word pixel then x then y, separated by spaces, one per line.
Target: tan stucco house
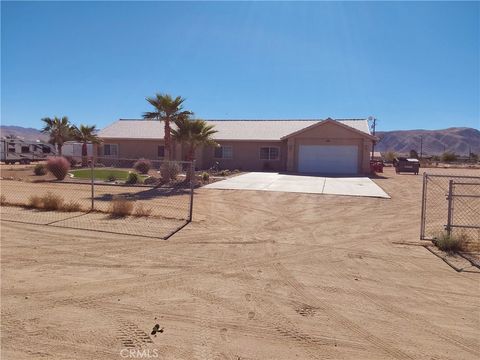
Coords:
pixel 341 146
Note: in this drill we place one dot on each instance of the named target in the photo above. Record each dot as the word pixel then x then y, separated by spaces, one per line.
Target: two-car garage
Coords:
pixel 328 159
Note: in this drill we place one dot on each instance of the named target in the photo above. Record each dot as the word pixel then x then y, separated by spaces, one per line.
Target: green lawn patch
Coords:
pixel 104 174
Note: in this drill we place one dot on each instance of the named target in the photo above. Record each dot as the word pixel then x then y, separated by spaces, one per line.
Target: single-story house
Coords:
pixel 341 146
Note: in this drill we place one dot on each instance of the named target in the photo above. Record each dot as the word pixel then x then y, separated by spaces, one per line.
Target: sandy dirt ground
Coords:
pixel 257 275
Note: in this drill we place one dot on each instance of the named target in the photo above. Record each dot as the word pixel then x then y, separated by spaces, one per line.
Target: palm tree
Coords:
pixel 85 134
pixel 59 130
pixel 167 109
pixel 193 133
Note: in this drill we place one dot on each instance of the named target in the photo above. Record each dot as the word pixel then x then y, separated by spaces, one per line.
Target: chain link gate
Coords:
pixel 451 204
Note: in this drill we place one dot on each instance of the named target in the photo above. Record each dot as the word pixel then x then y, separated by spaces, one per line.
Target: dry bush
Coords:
pixel 169 170
pixel 35 202
pixel 40 170
pixel 143 166
pixel 121 207
pixel 59 167
pixel 71 206
pixel 451 243
pixel 141 211
pixel 52 201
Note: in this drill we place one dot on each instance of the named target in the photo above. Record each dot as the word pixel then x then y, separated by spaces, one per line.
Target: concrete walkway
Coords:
pixel 352 186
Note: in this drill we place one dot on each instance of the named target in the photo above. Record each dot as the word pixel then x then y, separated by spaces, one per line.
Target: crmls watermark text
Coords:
pixel 139 353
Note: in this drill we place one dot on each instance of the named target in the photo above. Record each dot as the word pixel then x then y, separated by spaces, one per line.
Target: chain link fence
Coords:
pixel 126 196
pixel 451 204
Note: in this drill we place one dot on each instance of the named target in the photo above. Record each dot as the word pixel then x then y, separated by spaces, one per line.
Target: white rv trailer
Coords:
pixel 24 151
pixel 74 149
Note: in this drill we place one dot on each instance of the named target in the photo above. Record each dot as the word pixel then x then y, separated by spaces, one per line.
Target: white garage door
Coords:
pixel 328 159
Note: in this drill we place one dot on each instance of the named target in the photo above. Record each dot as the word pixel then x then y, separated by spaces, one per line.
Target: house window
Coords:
pixel 161 151
pixel 110 149
pixel 25 149
pixel 223 152
pixel 269 153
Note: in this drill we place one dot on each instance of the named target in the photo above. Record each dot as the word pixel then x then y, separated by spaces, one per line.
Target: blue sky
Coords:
pixel 412 65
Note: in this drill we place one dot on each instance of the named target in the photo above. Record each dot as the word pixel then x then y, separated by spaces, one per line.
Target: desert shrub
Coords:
pixel 132 178
pixel 141 211
pixel 205 176
pixel 143 166
pixel 450 243
pixel 59 167
pixel 3 200
pixel 151 180
pixel 51 201
pixel 40 169
pixel 71 206
pixel 169 170
pixel 99 165
pixel 224 173
pixel 35 202
pixel 111 177
pixel 449 156
pixel 389 156
pixel 121 207
pixel 73 162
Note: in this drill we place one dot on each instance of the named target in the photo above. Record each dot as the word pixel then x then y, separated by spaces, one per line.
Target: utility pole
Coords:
pixel 421 147
pixel 373 133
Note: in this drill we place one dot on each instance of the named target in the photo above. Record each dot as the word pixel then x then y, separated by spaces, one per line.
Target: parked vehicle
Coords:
pixel 74 149
pixel 23 151
pixel 403 164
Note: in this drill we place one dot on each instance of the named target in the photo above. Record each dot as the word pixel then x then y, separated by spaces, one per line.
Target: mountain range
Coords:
pixel 22 133
pixel 459 140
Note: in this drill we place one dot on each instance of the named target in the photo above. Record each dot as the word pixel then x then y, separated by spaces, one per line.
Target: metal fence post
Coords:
pixel 448 227
pixel 92 177
pixel 424 204
pixel 192 187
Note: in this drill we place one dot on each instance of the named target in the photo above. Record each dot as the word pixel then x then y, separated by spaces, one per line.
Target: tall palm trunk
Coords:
pixel 190 174
pixel 167 139
pixel 84 154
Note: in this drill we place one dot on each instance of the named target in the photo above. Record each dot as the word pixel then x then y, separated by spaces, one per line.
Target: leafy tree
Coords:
pixel 59 130
pixel 166 109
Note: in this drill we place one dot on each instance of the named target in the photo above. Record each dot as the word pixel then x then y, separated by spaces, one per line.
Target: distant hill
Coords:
pixel 23 133
pixel 458 140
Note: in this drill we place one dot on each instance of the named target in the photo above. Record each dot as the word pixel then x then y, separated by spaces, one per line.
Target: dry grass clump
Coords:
pixel 71 206
pixel 52 201
pixel 451 243
pixel 35 202
pixel 121 207
pixel 141 211
pixel 3 200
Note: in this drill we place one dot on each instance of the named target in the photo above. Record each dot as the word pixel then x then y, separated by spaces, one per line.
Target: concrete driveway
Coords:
pixel 352 186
